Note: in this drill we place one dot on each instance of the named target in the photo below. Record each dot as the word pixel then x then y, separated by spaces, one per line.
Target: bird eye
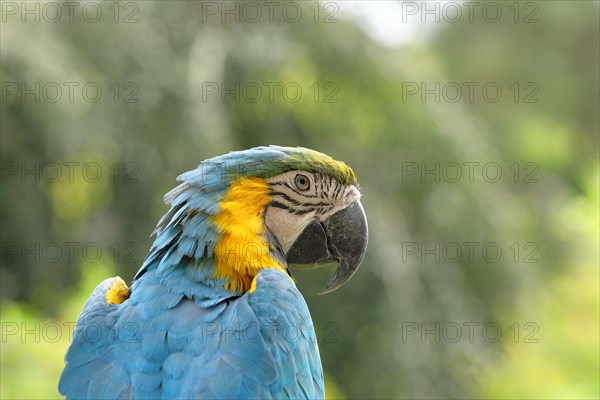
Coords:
pixel 302 182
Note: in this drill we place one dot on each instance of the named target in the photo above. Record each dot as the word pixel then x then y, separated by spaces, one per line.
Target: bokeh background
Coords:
pixel 84 171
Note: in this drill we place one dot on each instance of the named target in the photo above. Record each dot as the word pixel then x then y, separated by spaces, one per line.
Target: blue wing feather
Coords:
pixel 90 359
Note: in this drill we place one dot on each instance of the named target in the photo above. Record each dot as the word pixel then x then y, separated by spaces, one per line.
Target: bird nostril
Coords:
pixel 351 194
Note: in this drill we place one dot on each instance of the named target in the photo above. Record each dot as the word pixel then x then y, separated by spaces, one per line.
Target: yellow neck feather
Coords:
pixel 241 251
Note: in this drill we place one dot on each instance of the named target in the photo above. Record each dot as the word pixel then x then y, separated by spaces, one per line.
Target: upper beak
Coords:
pixel 342 238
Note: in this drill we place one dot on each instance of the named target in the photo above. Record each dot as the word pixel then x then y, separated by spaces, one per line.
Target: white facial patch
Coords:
pixel 292 209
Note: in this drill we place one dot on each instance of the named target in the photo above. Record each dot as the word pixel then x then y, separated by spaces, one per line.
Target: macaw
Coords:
pixel 213 311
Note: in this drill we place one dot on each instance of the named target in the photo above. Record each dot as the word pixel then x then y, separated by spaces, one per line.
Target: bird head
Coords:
pixel 266 207
pixel 316 216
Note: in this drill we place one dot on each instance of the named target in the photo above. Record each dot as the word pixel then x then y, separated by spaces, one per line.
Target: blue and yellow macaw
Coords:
pixel 214 312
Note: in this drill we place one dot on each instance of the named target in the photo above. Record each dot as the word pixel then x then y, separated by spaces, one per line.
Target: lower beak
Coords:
pixel 342 238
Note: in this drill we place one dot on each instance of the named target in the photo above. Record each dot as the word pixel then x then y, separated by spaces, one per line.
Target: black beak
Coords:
pixel 342 238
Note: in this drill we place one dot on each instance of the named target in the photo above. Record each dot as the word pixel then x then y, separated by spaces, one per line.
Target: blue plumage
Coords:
pixel 181 333
pixel 165 345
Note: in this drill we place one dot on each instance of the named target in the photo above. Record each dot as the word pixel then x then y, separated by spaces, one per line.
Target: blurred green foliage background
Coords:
pixel 179 84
